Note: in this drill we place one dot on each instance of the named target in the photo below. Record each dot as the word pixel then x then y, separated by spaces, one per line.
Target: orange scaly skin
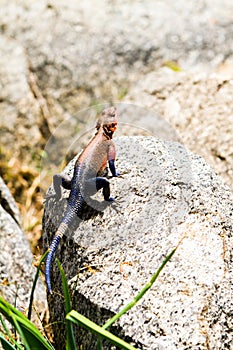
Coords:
pixel 86 178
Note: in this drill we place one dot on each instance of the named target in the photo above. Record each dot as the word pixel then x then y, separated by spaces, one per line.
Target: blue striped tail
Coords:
pixel 52 249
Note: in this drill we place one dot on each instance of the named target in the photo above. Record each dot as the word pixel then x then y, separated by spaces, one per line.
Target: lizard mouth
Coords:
pixel 112 127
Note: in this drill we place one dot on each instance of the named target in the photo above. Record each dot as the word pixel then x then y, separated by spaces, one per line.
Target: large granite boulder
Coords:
pixel 165 197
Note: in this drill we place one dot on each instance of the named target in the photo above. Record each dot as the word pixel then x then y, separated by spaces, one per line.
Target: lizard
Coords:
pixel 87 178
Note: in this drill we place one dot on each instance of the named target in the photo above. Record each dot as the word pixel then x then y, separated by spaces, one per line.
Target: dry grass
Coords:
pixel 23 180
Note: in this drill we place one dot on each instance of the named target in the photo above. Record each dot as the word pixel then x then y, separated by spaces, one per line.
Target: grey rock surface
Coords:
pixel 166 197
pixel 16 261
pixel 199 107
pixel 19 112
pixel 8 202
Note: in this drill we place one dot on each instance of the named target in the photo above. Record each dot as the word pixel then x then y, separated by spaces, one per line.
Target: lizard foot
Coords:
pixel 119 174
pixel 54 195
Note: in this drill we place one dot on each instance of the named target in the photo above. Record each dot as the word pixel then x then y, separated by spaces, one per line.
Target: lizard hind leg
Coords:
pixel 95 184
pixel 102 182
pixel 58 182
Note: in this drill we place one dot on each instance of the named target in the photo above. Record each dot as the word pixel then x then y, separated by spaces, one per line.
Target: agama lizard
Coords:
pixel 86 179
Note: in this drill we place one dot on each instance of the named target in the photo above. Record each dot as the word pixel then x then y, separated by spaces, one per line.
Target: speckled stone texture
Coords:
pixel 165 197
pixel 16 261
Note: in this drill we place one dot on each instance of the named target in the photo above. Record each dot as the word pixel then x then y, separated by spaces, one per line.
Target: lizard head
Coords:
pixel 108 121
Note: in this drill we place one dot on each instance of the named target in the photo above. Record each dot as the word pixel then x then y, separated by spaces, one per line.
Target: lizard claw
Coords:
pixel 48 196
pixel 121 174
pixel 115 204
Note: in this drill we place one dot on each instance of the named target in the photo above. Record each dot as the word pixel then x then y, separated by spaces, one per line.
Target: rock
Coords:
pixel 8 203
pixel 166 197
pixel 16 269
pixel 198 107
pixel 18 108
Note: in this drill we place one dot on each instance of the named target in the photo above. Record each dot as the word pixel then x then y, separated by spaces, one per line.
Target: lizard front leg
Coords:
pixel 111 156
pixel 111 164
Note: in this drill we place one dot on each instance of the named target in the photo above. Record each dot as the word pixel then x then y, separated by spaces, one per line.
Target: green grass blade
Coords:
pixel 34 284
pixel 84 322
pixel 21 333
pixel 70 339
pixel 9 335
pixel 99 344
pixel 32 338
pixel 5 344
pixel 27 330
pixel 142 292
pixel 65 287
